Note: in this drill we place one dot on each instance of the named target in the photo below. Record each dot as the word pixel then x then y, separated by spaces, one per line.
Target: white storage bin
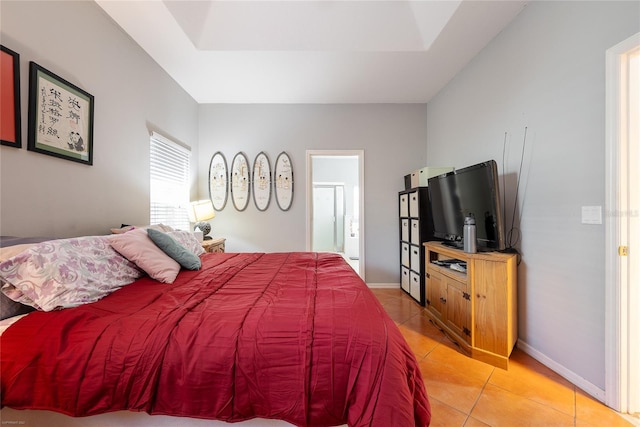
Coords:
pixel 415 258
pixel 404 280
pixel 405 230
pixel 414 285
pixel 404 205
pixel 414 204
pixel 405 257
pixel 415 231
pixel 420 178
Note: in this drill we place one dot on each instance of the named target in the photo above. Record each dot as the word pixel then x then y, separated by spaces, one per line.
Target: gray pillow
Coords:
pixel 175 250
pixel 10 308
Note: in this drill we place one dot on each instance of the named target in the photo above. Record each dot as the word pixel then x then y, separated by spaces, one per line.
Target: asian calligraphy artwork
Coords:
pixel 261 181
pixel 60 117
pixel 283 178
pixel 240 175
pixel 242 180
pixel 218 181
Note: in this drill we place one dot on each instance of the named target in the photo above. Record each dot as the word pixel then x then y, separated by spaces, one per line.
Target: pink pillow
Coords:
pixel 137 247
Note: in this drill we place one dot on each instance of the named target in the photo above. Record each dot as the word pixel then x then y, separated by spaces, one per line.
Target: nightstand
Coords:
pixel 216 244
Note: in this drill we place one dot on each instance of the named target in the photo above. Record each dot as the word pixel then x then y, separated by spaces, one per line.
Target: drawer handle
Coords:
pixel 443 300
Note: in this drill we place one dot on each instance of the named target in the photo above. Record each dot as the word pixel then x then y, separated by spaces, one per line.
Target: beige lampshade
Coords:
pixel 202 210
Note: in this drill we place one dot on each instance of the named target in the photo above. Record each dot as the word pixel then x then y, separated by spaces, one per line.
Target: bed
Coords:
pixel 253 338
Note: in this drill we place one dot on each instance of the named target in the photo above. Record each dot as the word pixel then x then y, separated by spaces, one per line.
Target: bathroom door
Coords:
pixel 328 218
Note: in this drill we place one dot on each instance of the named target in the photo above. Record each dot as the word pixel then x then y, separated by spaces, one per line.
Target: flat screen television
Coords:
pixel 472 190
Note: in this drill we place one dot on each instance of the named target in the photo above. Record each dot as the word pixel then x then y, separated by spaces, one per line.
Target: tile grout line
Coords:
pixel 479 396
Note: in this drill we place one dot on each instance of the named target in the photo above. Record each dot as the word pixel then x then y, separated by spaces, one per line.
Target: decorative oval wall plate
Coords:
pixel 218 181
pixel 283 181
pixel 240 181
pixel 261 181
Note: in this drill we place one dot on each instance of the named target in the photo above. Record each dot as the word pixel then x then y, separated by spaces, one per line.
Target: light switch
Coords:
pixel 592 214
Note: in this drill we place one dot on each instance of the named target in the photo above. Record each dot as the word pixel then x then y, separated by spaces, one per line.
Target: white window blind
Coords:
pixel 169 189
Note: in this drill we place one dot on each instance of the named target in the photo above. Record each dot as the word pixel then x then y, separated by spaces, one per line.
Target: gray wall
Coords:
pixel 546 72
pixel 47 196
pixel 392 136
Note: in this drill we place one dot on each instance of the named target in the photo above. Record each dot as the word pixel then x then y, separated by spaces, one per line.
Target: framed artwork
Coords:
pixel 261 181
pixel 283 181
pixel 240 181
pixel 60 117
pixel 218 181
pixel 10 124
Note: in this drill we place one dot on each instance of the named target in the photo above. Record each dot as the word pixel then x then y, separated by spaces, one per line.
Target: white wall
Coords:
pixel 47 196
pixel 392 136
pixel 545 72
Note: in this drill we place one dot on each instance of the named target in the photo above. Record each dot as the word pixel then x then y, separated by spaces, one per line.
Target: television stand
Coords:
pixel 476 308
pixel 450 244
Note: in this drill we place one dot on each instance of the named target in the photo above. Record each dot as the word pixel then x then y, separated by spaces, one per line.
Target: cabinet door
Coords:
pixel 493 307
pixel 458 310
pixel 436 293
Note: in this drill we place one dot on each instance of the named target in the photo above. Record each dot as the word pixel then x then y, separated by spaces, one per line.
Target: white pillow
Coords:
pixel 11 251
pixel 66 273
pixel 188 240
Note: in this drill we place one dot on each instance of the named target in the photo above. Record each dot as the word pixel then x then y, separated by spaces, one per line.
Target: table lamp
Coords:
pixel 199 212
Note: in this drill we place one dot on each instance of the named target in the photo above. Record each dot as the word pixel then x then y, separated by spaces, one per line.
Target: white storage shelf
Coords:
pixel 413 207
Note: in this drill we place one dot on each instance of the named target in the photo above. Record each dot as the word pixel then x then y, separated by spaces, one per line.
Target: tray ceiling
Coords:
pixel 312 51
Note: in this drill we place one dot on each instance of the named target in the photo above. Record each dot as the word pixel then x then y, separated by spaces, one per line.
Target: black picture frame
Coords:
pixel 10 120
pixel 60 117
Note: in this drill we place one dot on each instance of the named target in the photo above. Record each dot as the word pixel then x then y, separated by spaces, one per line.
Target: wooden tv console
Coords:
pixel 477 309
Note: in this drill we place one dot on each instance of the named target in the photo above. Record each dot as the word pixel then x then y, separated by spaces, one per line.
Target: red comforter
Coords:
pixel 291 336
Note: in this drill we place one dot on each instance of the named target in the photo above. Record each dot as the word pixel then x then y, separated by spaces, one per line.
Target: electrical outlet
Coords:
pixel 592 214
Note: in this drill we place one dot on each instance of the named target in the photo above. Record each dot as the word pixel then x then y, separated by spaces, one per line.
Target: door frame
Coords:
pixel 361 217
pixel 622 342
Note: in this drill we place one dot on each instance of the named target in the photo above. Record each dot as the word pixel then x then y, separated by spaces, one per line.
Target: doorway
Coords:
pixel 622 233
pixel 335 204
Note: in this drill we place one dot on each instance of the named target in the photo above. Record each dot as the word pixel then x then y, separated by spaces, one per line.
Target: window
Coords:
pixel 169 187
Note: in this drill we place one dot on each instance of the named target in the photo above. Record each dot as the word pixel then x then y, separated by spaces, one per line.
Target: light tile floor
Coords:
pixel 467 393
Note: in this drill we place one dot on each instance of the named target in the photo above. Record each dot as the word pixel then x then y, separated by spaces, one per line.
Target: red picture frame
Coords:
pixel 10 132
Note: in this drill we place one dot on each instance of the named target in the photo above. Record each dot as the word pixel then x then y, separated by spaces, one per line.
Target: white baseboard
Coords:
pixel 384 285
pixel 561 370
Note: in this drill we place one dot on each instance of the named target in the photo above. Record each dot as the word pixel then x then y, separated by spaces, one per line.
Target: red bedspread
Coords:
pixel 291 336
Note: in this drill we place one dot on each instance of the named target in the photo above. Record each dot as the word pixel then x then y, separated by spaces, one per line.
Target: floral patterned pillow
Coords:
pixel 188 240
pixel 66 273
